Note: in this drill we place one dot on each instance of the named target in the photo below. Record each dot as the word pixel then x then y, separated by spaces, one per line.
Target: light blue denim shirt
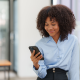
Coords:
pixel 63 54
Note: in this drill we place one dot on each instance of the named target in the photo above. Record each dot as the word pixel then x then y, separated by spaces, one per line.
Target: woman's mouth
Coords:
pixel 51 31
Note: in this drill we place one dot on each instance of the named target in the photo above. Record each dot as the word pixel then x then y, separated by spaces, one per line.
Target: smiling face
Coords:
pixel 52 27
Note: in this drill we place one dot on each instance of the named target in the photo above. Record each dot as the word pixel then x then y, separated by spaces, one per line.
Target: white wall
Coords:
pixel 28 34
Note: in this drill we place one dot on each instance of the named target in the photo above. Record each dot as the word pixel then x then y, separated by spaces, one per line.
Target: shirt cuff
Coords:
pixel 37 71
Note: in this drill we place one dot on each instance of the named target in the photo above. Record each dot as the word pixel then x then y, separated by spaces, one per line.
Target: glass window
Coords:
pixel 4 29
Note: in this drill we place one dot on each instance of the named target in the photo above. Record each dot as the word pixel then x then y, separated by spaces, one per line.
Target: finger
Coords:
pixel 32 58
pixel 33 52
pixel 35 60
pixel 37 54
pixel 39 57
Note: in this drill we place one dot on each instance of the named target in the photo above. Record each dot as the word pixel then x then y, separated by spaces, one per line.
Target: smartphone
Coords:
pixel 31 48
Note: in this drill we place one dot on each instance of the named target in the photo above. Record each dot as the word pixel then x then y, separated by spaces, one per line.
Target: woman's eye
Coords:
pixel 53 24
pixel 46 25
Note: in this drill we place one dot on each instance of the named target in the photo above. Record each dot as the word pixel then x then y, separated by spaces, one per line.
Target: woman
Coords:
pixel 58 46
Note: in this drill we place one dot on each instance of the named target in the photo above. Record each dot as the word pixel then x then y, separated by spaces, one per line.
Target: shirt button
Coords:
pixel 53 71
pixel 53 68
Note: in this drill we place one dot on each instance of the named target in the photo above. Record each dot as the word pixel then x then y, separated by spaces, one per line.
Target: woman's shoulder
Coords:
pixel 72 37
pixel 43 40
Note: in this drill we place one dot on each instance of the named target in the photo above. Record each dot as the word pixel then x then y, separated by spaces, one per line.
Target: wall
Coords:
pixel 28 34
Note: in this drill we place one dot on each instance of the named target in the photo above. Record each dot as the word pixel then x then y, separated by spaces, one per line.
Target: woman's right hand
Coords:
pixel 35 59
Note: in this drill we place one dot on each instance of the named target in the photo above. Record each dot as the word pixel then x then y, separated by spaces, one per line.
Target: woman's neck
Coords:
pixel 56 38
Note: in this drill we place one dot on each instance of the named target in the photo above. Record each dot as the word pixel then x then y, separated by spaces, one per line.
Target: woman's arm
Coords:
pixel 41 72
pixel 35 59
pixel 41 68
pixel 38 65
pixel 73 73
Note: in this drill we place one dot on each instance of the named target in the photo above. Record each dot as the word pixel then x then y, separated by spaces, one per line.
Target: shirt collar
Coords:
pixel 50 38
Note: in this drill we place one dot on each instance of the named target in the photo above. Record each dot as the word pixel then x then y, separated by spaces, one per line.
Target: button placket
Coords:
pixel 54 70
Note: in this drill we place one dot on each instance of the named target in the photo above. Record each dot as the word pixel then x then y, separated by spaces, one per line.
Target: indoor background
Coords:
pixel 18 31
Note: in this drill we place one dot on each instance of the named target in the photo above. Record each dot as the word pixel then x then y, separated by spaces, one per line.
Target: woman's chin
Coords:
pixel 51 35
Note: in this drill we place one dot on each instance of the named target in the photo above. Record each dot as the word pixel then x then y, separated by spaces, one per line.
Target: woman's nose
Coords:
pixel 50 27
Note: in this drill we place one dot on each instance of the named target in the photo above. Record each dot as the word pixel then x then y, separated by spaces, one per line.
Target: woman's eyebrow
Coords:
pixel 51 22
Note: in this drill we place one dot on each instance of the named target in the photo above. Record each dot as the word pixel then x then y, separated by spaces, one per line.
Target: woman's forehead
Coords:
pixel 50 19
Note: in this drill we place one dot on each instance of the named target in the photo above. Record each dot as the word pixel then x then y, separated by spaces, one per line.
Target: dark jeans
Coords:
pixel 59 74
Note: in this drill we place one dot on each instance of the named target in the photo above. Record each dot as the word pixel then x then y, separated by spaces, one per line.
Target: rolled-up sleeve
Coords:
pixel 73 73
pixel 41 72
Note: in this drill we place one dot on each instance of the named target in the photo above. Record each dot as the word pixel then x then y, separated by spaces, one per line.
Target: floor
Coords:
pixel 23 78
pixel 13 76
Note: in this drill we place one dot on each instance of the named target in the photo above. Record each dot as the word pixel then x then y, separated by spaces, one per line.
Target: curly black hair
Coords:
pixel 63 15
